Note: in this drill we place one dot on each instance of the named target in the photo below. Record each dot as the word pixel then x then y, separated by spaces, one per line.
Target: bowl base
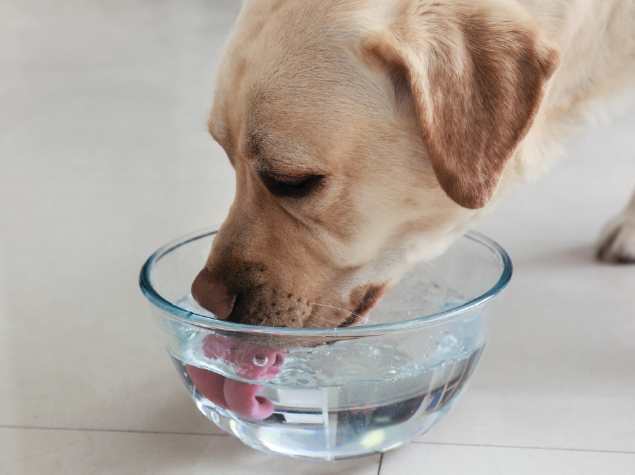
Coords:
pixel 306 444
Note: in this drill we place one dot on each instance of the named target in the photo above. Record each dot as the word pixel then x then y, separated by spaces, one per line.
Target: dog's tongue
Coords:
pixel 209 384
pixel 250 362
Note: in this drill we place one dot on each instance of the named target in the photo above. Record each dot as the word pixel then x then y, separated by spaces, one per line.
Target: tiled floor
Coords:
pixel 104 157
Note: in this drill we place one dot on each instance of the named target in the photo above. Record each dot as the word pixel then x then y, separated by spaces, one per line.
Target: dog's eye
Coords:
pixel 292 187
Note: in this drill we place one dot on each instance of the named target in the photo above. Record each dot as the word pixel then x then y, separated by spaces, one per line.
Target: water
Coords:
pixel 350 420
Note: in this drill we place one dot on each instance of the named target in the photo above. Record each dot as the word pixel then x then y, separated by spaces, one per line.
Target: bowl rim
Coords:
pixel 207 322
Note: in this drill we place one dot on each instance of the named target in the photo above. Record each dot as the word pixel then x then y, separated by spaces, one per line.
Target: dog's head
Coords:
pixel 365 136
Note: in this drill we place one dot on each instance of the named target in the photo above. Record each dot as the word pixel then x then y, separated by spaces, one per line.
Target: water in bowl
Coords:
pixel 352 420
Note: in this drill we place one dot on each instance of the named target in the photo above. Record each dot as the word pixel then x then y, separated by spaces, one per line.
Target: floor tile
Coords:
pixel 79 346
pixel 462 460
pixel 87 452
pixel 111 90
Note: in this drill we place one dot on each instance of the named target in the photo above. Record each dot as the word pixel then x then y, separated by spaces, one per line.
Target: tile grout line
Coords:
pixel 527 448
pixel 82 429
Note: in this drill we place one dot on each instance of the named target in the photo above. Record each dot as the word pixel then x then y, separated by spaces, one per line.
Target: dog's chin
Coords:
pixel 372 296
pixel 361 303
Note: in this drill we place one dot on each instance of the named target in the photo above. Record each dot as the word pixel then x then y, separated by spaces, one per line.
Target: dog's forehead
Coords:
pixel 294 74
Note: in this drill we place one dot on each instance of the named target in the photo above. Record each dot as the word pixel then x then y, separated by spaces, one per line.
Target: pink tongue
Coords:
pixel 209 384
pixel 242 399
pixel 229 394
pixel 250 362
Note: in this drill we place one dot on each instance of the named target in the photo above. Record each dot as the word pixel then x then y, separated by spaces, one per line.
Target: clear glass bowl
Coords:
pixel 333 393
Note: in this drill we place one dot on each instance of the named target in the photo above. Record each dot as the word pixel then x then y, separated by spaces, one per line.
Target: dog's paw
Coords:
pixel 617 243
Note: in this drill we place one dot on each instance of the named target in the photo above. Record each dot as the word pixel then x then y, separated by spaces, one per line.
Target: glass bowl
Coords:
pixel 333 393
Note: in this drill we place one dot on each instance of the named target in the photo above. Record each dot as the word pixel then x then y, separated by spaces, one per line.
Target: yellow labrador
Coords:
pixel 368 134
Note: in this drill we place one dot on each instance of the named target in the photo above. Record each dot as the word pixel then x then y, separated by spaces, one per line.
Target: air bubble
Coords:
pixel 260 360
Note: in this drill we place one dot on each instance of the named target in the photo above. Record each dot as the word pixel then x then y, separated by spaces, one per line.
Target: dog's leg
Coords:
pixel 617 243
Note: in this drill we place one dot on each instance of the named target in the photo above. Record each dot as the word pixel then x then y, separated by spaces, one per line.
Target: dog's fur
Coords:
pixel 368 134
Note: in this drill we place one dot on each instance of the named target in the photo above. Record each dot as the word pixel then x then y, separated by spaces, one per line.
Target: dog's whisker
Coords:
pixel 338 308
pixel 470 15
pixel 247 345
pixel 442 275
pixel 365 319
pixel 318 316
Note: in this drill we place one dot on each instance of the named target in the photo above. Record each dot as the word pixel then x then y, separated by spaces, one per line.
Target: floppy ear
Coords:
pixel 476 76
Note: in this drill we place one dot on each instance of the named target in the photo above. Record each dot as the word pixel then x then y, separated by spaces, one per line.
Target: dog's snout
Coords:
pixel 211 293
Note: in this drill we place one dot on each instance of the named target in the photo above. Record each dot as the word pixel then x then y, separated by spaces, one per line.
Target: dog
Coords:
pixel 367 135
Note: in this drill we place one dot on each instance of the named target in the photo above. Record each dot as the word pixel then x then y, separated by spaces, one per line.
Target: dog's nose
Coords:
pixel 211 293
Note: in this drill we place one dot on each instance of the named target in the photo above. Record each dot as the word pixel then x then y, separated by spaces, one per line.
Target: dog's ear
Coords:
pixel 476 75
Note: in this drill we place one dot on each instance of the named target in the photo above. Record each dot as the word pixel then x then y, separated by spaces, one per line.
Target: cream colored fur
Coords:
pixel 351 91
